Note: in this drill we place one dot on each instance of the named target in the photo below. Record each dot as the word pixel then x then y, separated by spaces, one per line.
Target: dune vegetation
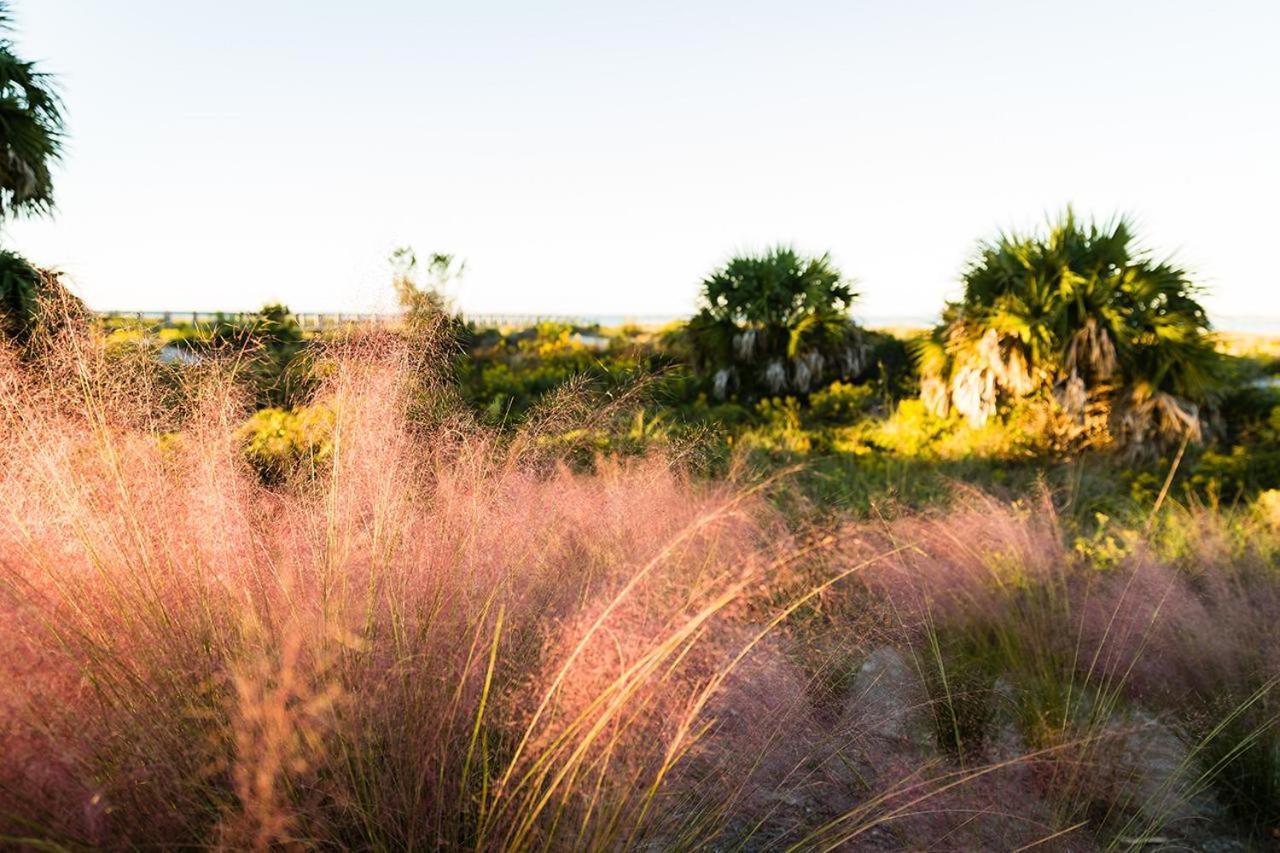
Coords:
pixel 420 626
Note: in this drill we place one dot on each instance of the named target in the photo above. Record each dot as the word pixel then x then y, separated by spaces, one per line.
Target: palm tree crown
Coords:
pixel 776 322
pixel 31 131
pixel 1115 340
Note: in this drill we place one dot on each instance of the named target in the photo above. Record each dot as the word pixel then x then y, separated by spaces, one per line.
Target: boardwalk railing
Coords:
pixel 322 320
pixel 175 319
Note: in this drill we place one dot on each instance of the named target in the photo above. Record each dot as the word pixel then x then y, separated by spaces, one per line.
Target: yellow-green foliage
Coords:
pixel 910 430
pixel 913 430
pixel 840 402
pixel 280 442
pixel 1267 508
pixel 507 373
pixel 781 430
pixel 553 340
pixel 1107 544
pixel 126 337
pixel 1246 345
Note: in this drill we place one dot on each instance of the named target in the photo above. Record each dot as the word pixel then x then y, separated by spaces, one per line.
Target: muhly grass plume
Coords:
pixel 442 636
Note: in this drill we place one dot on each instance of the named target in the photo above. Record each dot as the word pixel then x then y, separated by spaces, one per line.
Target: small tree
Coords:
pixel 1114 342
pixel 275 347
pixel 776 323
pixel 424 300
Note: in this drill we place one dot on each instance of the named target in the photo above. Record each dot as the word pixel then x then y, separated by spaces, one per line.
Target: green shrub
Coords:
pixel 31 299
pixel 273 346
pixel 1232 474
pixel 911 430
pixel 889 366
pixel 779 427
pixel 1250 413
pixel 505 375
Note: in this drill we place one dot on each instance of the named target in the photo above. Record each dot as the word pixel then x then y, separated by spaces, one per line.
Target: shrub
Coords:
pixel 508 375
pixel 270 348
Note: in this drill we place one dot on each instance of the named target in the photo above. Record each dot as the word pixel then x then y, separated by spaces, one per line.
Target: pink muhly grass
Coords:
pixel 347 657
pixel 440 636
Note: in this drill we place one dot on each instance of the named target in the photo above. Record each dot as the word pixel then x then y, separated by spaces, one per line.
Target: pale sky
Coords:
pixel 601 157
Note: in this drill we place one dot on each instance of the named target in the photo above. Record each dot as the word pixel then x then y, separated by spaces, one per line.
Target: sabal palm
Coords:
pixel 776 322
pixel 31 131
pixel 1083 314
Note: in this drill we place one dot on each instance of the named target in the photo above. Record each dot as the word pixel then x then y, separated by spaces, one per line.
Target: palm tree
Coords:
pixel 31 134
pixel 31 131
pixel 1115 341
pixel 774 323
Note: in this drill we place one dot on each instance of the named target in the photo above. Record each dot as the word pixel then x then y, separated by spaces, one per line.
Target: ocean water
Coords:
pixel 1248 325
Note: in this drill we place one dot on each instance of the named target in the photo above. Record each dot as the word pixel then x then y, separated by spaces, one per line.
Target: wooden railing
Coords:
pixel 174 319
pixel 313 320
